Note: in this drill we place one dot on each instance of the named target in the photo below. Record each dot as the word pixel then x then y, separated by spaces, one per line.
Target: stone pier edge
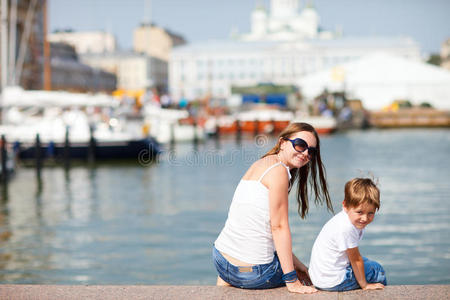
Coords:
pixel 19 292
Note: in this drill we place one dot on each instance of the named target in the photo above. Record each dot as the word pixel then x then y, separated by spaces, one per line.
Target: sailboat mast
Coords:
pixel 23 46
pixel 12 43
pixel 4 46
pixel 47 66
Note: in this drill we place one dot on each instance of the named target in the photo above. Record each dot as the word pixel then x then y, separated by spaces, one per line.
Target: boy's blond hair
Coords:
pixel 361 191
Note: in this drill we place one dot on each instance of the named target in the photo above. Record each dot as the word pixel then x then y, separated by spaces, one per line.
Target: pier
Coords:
pixel 412 117
pixel 61 292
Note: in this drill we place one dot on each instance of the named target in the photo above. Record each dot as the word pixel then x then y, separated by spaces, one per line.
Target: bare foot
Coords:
pixel 221 282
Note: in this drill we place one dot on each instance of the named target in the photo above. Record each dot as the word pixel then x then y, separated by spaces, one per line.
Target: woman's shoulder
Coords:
pixel 277 171
pixel 260 166
pixel 267 162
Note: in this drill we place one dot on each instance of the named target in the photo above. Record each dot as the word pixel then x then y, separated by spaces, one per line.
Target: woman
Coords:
pixel 254 249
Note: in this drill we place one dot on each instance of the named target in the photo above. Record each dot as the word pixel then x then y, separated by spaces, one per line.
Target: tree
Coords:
pixel 434 59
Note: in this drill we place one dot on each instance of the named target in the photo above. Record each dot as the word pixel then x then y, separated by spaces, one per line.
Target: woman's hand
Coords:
pixel 374 286
pixel 297 287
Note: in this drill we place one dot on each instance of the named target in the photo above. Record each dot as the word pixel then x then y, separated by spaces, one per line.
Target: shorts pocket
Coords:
pixel 242 277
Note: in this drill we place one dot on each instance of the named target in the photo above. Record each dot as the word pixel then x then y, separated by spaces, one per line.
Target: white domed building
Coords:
pixel 283 23
pixel 284 45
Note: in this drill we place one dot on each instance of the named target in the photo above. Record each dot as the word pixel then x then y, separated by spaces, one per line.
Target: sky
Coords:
pixel 426 21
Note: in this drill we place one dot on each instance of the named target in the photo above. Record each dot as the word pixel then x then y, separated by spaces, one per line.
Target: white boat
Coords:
pixel 322 124
pixel 165 125
pixel 50 114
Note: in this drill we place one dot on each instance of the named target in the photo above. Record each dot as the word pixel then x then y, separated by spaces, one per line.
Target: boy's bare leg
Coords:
pixel 221 282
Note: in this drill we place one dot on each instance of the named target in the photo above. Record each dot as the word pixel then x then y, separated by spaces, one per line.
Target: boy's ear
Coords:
pixel 343 206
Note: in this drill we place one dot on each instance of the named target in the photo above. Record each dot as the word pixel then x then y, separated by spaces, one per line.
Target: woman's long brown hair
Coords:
pixel 315 165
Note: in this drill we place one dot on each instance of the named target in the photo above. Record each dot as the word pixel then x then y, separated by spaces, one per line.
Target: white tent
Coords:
pixel 378 79
pixel 18 97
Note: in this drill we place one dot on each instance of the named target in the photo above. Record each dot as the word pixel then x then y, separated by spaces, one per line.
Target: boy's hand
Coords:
pixel 302 271
pixel 304 278
pixel 374 286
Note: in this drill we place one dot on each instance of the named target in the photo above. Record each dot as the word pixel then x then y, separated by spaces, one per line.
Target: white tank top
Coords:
pixel 247 235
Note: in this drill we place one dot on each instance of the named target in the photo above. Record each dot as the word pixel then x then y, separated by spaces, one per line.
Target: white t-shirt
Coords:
pixel 247 235
pixel 329 259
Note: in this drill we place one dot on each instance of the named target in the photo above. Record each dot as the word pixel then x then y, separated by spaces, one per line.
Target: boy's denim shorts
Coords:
pixel 374 274
pixel 264 276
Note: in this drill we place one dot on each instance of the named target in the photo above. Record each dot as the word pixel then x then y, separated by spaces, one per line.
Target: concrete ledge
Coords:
pixel 18 292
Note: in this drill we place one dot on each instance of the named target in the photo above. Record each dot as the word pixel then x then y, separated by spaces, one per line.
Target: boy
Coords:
pixel 336 264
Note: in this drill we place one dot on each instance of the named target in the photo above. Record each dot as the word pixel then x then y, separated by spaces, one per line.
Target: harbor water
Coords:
pixel 149 222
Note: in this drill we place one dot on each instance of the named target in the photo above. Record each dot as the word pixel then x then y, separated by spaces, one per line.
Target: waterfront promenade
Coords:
pixel 18 292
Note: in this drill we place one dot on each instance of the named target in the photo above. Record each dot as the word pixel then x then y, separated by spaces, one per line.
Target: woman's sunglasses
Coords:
pixel 301 146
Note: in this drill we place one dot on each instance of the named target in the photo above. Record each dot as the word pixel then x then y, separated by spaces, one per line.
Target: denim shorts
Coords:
pixel 265 276
pixel 374 274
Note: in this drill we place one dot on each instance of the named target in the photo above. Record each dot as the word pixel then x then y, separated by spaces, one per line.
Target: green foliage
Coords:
pixel 434 59
pixel 425 105
pixel 403 103
pixel 264 89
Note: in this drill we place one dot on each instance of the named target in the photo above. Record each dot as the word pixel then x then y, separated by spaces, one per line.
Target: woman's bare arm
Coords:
pixel 278 183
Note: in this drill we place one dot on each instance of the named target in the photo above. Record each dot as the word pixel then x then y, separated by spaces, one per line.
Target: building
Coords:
pixel 22 63
pixel 379 79
pixel 25 55
pixel 155 41
pixel 445 54
pixel 69 74
pixel 134 71
pixel 283 46
pixel 86 41
pixel 285 23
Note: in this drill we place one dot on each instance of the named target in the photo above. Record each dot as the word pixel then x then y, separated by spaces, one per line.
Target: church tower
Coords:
pixel 284 8
pixel 285 21
pixel 259 21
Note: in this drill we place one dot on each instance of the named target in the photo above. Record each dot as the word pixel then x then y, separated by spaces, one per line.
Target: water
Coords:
pixel 155 223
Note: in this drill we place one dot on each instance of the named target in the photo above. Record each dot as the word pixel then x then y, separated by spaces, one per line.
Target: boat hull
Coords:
pixel 136 149
pixel 269 127
pixel 253 126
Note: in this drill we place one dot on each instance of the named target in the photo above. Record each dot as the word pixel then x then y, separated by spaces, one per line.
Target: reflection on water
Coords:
pixel 155 223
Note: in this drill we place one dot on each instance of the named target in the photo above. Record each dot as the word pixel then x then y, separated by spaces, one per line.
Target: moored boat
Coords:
pixel 85 123
pixel 322 124
pixel 103 150
pixel 255 120
pixel 268 121
pixel 171 125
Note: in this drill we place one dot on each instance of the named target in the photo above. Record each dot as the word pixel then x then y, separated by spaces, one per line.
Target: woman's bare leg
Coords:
pixel 221 282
